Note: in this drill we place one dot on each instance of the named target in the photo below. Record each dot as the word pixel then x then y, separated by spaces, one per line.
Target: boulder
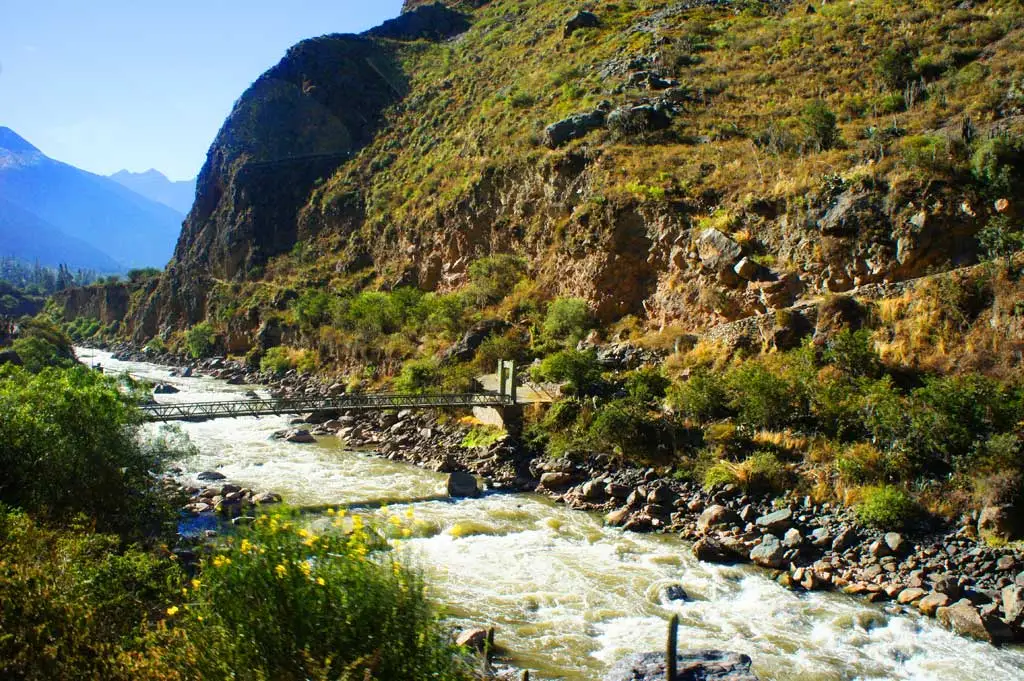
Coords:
pixel 675 592
pixel 581 20
pixel 462 485
pixel 770 553
pixel 932 602
pixel 715 516
pixel 466 348
pixel 897 545
pixel 592 490
pixel 911 595
pixel 750 270
pixel 846 538
pixel 317 418
pixel 712 550
pixel 477 639
pixel 716 250
pixel 999 523
pixel 964 619
pixel 1013 604
pixel 776 522
pixel 165 389
pixel 299 436
pixel 267 498
pixel 574 127
pixel 638 119
pixel 11 357
pixel 691 665
pixel 211 475
pixel 792 539
pixel 556 480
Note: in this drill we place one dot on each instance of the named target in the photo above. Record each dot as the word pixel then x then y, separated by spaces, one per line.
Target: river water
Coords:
pixel 568 595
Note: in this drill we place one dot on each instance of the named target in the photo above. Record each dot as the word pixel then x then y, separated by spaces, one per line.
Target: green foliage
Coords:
pixel 482 437
pixel 277 360
pixel 419 376
pixel 701 397
pixel 854 353
pixel 895 66
pixel 492 278
pixel 578 368
pixel 568 318
pixel 760 472
pixel 1001 238
pixel 73 604
pixel 141 274
pixel 646 386
pixel 929 153
pixel 312 308
pixel 886 507
pixel 200 340
pixel 69 444
pixel 763 398
pixel 819 125
pixel 998 163
pixel 626 428
pixel 283 603
pixel 37 354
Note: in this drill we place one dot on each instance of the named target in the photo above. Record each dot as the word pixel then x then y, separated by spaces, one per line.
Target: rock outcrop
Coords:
pixel 691 665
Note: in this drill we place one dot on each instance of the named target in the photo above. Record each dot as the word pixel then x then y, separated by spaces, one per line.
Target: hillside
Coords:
pixel 130 230
pixel 30 238
pixel 155 186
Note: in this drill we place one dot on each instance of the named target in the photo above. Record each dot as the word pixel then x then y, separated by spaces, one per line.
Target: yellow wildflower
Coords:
pixel 331 511
pixel 311 541
pixel 196 583
pixel 246 546
pixel 303 533
pixel 221 561
pixel 395 520
pixel 305 568
pixel 407 532
pixel 172 611
pixel 409 514
pixel 281 571
pixel 320 581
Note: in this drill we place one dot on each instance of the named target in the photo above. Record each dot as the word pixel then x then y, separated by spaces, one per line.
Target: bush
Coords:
pixel 284 603
pixel 760 472
pixel 200 340
pixel 998 163
pixel 702 397
pixel 492 278
pixel 819 125
pixel 895 66
pixel 762 398
pixel 277 360
pixel 419 376
pixel 69 444
pixel 624 427
pixel 854 353
pixel 312 309
pixel 578 368
pixel 646 386
pixel 886 507
pixel 73 604
pixel 1001 238
pixel 568 318
pixel 36 354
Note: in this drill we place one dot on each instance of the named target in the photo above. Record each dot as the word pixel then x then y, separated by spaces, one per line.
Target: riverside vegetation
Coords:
pixel 89 587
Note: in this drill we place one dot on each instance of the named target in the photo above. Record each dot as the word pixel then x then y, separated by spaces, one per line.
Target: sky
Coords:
pixel 107 85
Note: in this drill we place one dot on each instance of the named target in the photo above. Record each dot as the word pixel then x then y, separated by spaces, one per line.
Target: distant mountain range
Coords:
pixel 55 213
pixel 154 185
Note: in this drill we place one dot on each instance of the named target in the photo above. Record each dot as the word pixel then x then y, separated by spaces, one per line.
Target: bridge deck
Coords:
pixel 187 411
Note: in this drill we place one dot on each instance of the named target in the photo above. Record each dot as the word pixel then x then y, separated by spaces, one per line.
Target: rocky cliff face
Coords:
pixel 607 148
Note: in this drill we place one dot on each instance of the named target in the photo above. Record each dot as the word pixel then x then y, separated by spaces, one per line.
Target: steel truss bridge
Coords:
pixel 505 396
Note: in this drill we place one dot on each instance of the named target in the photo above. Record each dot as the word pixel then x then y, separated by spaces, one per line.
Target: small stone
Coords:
pixel 792 538
pixel 769 553
pixel 675 592
pixel 895 542
pixel 911 595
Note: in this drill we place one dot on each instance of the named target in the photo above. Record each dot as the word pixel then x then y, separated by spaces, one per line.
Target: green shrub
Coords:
pixel 37 354
pixel 482 437
pixel 69 444
pixel 418 376
pixel 200 340
pixel 760 472
pixel 277 360
pixel 579 369
pixel 854 353
pixel 930 153
pixel 761 398
pixel 492 278
pixel 998 163
pixel 702 397
pixel 819 125
pixel 1001 238
pixel 646 386
pixel 624 427
pixel 886 507
pixel 312 308
pixel 568 318
pixel 895 66
pixel 283 603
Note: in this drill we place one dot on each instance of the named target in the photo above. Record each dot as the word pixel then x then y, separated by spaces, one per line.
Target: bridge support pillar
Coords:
pixel 509 418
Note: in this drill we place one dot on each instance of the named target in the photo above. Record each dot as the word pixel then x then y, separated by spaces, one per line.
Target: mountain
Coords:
pixel 154 185
pixel 29 237
pixel 130 229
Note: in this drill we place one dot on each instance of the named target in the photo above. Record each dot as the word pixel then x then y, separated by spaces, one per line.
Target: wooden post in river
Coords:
pixel 670 651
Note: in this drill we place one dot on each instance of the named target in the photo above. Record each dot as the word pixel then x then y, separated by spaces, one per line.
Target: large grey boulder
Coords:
pixel 769 553
pixel 581 20
pixel 691 665
pixel 716 250
pixel 462 485
pixel 964 619
pixel 776 522
pixel 574 127
pixel 711 550
pixel 299 436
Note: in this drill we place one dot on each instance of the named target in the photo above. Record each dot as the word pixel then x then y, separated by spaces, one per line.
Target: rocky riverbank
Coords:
pixel 943 572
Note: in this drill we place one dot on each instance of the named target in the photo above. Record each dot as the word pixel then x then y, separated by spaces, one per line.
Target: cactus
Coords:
pixel 670 650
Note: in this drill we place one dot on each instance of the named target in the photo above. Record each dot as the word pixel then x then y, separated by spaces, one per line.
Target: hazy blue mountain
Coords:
pixel 156 186
pixel 30 238
pixel 130 229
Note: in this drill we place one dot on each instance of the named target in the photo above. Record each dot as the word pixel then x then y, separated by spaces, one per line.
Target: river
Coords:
pixel 569 596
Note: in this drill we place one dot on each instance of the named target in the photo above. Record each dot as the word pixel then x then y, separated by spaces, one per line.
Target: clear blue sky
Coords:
pixel 139 84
